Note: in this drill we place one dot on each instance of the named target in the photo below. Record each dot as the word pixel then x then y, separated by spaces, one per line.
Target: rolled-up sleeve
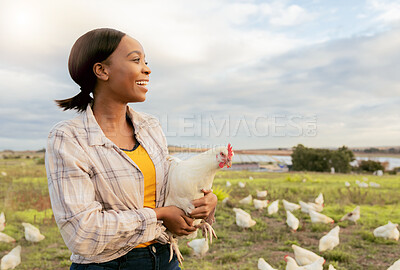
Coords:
pixel 85 226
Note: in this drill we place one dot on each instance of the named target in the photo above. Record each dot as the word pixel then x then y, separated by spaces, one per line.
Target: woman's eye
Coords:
pixel 136 60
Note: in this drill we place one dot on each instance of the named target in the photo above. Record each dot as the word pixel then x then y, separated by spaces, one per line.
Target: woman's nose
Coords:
pixel 146 70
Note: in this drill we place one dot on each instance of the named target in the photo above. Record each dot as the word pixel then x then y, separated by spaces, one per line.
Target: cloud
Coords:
pixel 281 14
pixel 388 12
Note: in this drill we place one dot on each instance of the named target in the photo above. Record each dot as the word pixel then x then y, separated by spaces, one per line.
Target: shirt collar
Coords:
pixel 95 133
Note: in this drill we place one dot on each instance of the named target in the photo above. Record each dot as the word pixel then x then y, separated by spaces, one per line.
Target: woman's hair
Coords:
pixel 93 47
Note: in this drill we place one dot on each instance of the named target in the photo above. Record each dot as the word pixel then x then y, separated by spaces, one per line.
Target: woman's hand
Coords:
pixel 175 220
pixel 205 205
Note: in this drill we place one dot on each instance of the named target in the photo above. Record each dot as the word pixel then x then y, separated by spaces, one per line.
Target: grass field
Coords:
pixel 24 198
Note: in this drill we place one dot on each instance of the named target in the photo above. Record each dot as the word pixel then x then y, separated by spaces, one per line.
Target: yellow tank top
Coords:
pixel 146 166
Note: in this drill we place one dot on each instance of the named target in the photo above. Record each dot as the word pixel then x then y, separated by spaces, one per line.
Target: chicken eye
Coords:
pixel 222 154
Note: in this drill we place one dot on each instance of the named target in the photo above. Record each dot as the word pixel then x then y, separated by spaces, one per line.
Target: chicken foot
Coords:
pixel 174 248
pixel 207 230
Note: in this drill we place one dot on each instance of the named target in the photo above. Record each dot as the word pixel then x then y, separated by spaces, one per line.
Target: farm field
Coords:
pixel 24 198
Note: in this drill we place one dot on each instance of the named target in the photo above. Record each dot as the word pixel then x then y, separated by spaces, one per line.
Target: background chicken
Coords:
pixel 395 265
pixel 317 265
pixel 263 265
pixel 6 238
pixel 32 233
pixel 273 207
pixel 319 218
pixel 388 231
pixel 304 256
pixel 246 200
pixel 292 221
pixel 319 199
pixel 291 264
pixel 262 193
pixel 353 215
pixel 260 204
pixel 12 259
pixel 290 206
pixel 199 246
pixel 187 179
pixel 243 219
pixel 241 184
pixel 330 240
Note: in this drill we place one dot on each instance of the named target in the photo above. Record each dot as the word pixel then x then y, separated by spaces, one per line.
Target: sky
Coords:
pixel 256 74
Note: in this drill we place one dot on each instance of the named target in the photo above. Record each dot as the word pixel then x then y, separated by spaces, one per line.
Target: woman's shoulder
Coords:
pixel 68 127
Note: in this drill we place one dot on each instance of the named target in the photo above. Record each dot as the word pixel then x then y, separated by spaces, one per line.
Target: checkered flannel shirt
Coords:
pixel 96 190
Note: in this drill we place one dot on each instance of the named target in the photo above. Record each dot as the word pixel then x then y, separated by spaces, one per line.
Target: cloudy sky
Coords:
pixel 258 74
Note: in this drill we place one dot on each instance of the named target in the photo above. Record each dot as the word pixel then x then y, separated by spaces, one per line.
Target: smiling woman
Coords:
pixel 107 169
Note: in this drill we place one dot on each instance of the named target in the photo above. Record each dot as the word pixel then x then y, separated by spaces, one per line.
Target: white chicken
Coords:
pixel 375 185
pixel 2 221
pixel 388 231
pixel 291 264
pixel 306 207
pixel 6 238
pixel 241 184
pixel 228 184
pixel 246 200
pixel 353 215
pixel 319 199
pixel 320 218
pixel 331 267
pixel 243 219
pixel 290 206
pixel 363 185
pixel 347 184
pixel 292 221
pixel 395 265
pixel 329 240
pixel 260 204
pixel 199 246
pixel 262 193
pixel 12 259
pixel 304 256
pixel 32 233
pixel 273 207
pixel 316 207
pixel 263 265
pixel 317 265
pixel 187 179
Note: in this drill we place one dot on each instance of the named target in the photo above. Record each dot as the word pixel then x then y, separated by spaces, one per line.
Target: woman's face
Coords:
pixel 128 73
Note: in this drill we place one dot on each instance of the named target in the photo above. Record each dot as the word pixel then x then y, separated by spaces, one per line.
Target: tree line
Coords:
pixel 322 160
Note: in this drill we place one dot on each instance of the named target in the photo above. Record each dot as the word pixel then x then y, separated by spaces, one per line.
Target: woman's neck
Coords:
pixel 111 117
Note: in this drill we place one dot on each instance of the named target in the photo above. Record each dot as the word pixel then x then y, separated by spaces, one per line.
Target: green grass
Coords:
pixel 24 198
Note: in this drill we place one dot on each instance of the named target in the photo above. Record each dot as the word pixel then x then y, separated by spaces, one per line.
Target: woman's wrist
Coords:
pixel 160 213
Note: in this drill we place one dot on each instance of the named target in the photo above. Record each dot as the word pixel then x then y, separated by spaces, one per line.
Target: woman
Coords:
pixel 107 168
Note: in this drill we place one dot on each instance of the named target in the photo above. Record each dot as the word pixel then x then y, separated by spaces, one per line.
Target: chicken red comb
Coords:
pixel 230 151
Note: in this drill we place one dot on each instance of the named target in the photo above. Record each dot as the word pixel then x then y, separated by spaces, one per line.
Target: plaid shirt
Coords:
pixel 96 190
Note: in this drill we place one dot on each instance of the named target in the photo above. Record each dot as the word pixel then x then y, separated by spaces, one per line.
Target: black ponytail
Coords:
pixel 93 47
pixel 78 102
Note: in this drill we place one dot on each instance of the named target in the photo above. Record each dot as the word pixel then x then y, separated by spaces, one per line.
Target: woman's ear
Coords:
pixel 100 70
